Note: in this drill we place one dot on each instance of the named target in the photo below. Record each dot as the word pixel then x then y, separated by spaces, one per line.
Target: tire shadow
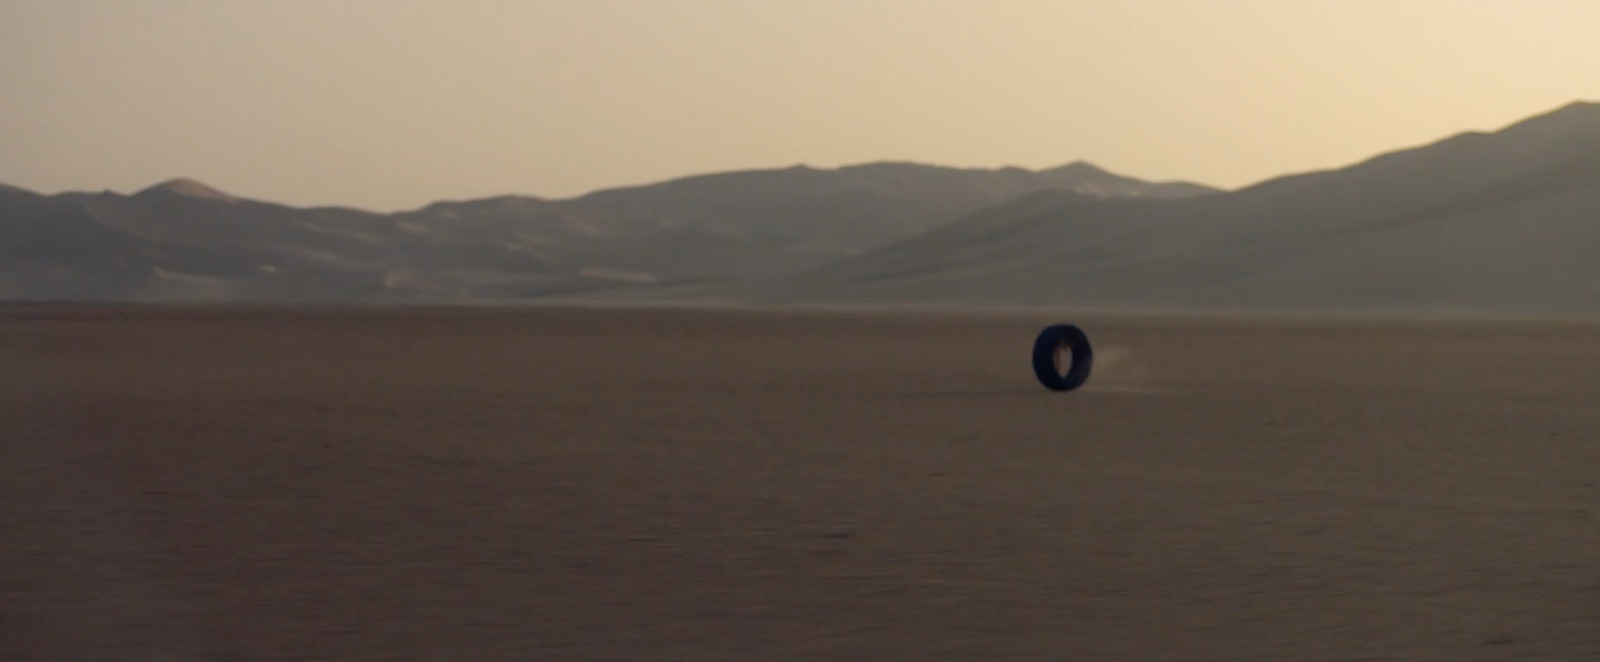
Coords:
pixel 974 393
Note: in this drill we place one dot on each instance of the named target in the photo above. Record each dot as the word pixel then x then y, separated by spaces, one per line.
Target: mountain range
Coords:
pixel 1505 221
pixel 183 240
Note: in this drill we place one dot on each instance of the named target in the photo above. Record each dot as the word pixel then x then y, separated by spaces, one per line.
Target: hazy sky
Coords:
pixel 389 104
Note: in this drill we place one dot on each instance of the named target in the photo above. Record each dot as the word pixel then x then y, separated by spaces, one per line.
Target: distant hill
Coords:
pixel 185 240
pixel 1501 222
pixel 1507 221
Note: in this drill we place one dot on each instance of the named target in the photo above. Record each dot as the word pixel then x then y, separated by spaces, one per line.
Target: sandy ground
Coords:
pixel 666 485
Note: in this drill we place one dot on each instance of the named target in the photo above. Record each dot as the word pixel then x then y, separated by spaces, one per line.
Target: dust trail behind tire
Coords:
pixel 1123 370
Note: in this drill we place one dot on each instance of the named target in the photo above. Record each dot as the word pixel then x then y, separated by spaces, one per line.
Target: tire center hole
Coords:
pixel 1063 358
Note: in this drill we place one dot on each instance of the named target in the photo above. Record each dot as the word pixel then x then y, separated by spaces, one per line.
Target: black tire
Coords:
pixel 1047 350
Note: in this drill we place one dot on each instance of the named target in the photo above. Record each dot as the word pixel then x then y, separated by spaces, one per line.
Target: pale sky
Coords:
pixel 390 104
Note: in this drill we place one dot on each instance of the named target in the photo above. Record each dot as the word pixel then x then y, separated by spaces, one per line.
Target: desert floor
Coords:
pixel 652 485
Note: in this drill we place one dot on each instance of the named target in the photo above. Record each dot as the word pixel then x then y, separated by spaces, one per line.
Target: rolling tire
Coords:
pixel 1047 351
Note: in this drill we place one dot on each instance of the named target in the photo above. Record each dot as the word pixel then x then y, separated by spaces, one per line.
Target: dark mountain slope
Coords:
pixel 183 239
pixel 1503 221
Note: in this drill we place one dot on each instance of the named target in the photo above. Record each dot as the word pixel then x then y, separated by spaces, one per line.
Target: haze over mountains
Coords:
pixel 182 240
pixel 1507 221
pixel 1504 222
